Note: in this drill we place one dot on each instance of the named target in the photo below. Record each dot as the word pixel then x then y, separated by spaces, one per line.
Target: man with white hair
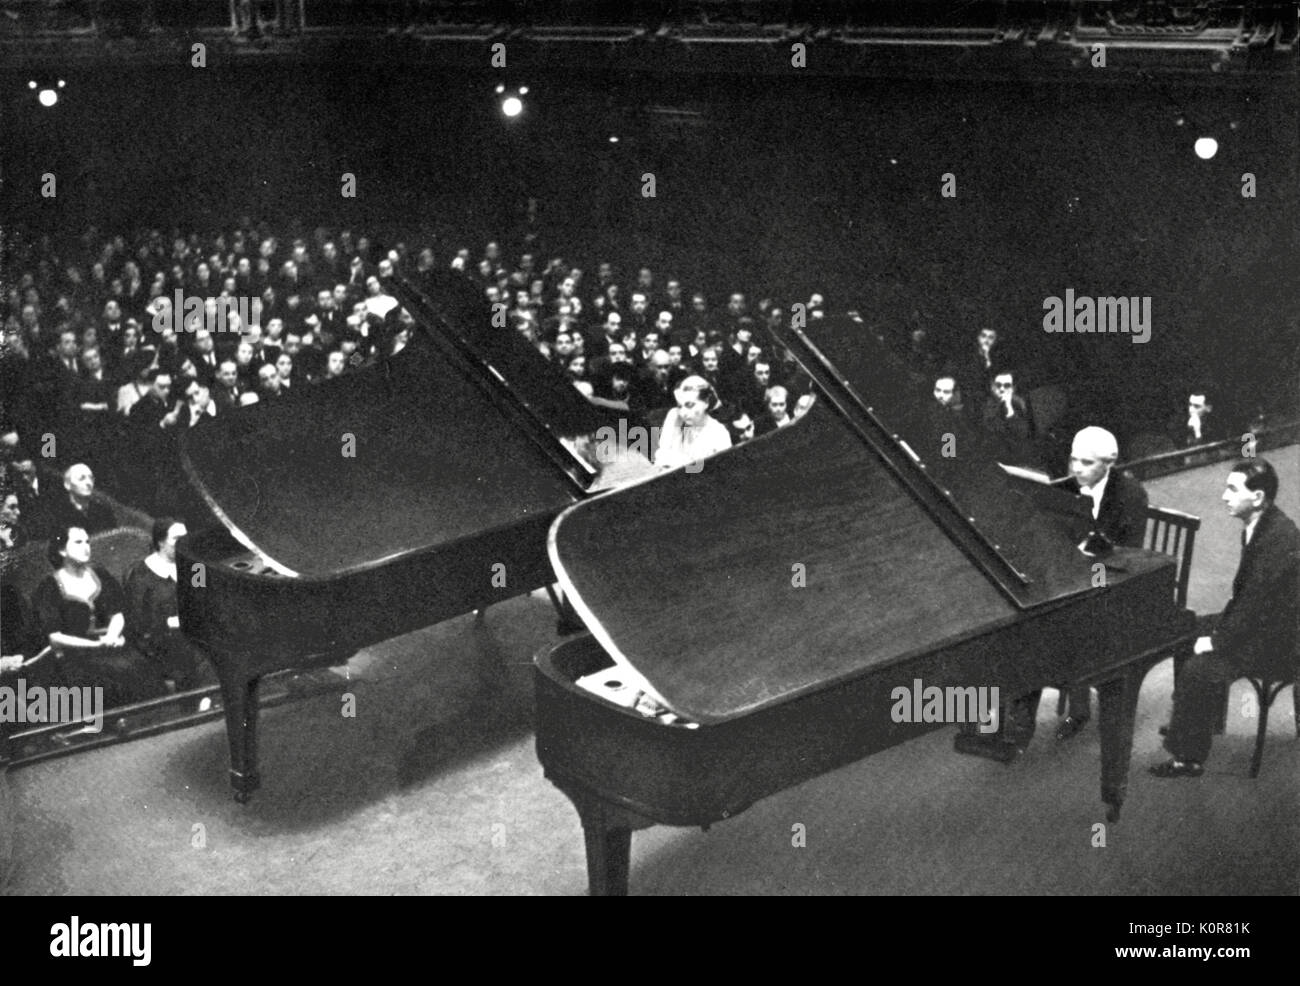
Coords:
pixel 1119 513
pixel 1118 506
pixel 76 506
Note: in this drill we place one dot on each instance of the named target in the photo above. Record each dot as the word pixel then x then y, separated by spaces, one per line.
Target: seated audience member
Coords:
pixel 284 370
pixel 335 364
pixel 268 383
pixel 130 393
pixel 1119 512
pixel 689 433
pixel 803 405
pixel 22 653
pixel 150 427
pixel 776 412
pixel 611 386
pixel 1258 632
pixel 921 357
pixel 576 368
pixel 33 498
pixel 947 396
pixel 12 535
pixel 78 610
pixel 226 390
pixel 198 409
pixel 751 389
pixel 1201 425
pixel 739 425
pixel 652 388
pixel 977 365
pixel 76 505
pixel 246 365
pixel 1006 420
pixel 95 435
pixel 153 623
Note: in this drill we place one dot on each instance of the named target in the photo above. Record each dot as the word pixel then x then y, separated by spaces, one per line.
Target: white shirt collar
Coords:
pixel 1096 493
pixel 160 568
pixel 1251 524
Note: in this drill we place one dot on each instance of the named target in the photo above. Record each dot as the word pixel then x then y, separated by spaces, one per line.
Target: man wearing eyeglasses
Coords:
pixel 1006 419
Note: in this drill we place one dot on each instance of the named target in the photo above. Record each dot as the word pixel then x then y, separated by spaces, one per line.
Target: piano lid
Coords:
pixel 426 448
pixel 800 559
pixel 454 305
pixel 949 464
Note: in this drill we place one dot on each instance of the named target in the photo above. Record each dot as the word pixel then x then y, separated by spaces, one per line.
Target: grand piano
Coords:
pixel 782 593
pixel 413 491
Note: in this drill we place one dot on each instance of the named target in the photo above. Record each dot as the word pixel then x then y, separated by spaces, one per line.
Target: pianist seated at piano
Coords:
pixel 78 609
pixel 1118 505
pixel 689 432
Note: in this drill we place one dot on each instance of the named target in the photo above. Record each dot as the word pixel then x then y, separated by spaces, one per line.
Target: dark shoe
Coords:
pixel 1070 726
pixel 1164 730
pixel 1178 768
pixel 990 747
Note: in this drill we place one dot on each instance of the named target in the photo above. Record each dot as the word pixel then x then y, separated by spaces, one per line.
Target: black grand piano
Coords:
pixel 413 491
pixel 782 593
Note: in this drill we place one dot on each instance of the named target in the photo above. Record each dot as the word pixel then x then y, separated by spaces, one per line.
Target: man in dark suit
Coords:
pixel 226 390
pixel 76 506
pixel 203 353
pixel 1200 425
pixel 1118 505
pixel 1006 420
pixel 1258 632
pixel 1119 513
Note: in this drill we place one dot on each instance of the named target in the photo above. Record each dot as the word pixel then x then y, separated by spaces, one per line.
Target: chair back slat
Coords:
pixel 1173 533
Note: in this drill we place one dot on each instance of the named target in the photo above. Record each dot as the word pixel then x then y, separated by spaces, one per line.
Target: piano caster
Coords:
pixel 1113 799
pixel 244 785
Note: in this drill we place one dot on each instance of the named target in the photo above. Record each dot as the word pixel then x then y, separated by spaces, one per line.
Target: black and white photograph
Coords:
pixel 666 448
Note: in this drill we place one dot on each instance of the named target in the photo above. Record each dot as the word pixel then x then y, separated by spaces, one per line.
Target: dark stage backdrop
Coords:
pixel 774 187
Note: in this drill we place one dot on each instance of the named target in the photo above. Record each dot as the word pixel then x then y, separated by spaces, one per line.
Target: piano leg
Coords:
pixel 1118 699
pixel 609 857
pixel 607 831
pixel 241 697
pixel 568 621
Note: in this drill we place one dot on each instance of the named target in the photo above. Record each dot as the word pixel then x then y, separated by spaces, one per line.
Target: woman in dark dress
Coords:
pixel 153 625
pixel 78 610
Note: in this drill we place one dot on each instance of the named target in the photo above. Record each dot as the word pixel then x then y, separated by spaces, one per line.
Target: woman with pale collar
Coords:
pixel 153 622
pixel 689 433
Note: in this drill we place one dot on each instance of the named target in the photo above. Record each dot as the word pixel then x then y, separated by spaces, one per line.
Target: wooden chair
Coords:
pixel 1173 533
pixel 117 550
pixel 1268 687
